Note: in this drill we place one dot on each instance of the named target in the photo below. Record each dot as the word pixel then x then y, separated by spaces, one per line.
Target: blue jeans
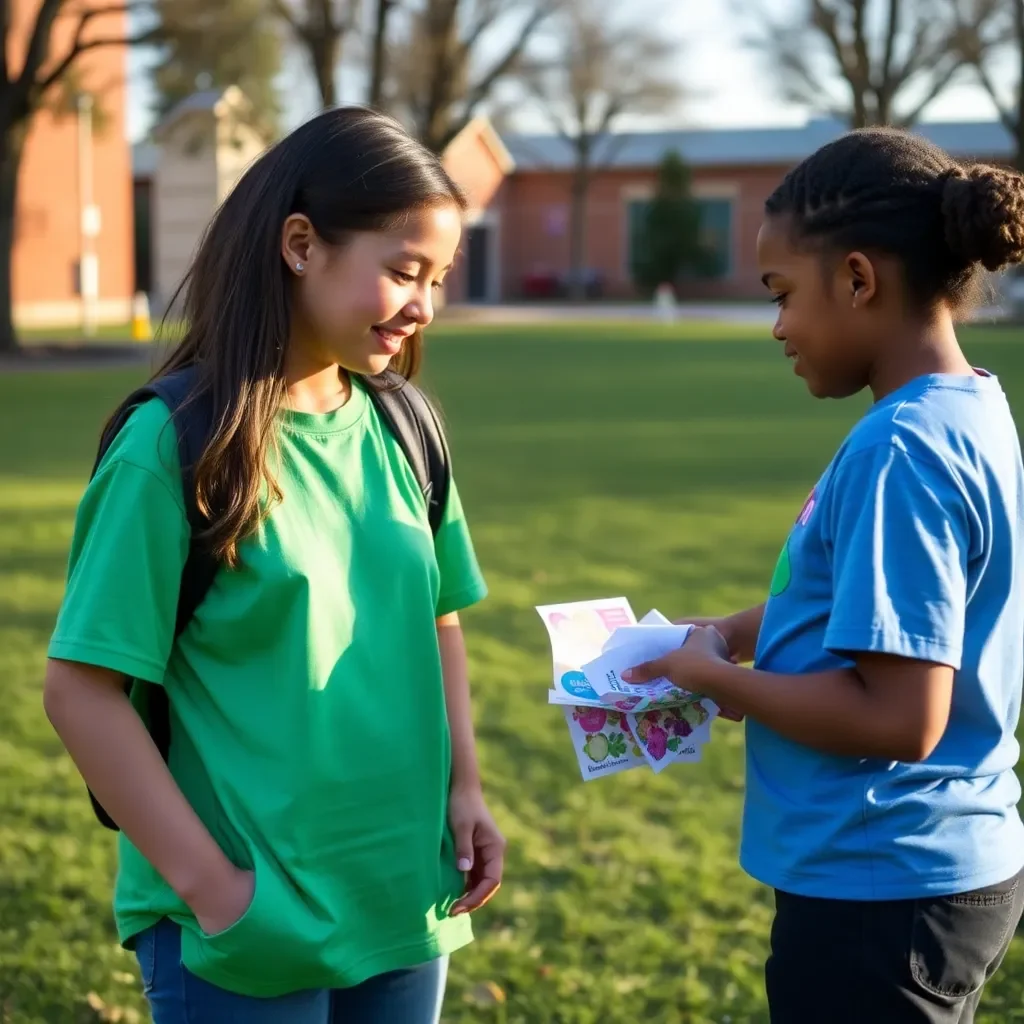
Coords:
pixel 176 996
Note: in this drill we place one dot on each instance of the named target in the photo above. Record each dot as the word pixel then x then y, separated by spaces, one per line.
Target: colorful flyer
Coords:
pixel 669 735
pixel 616 726
pixel 603 742
pixel 578 632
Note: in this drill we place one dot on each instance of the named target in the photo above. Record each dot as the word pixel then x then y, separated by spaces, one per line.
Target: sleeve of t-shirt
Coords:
pixel 899 536
pixel 462 583
pixel 127 554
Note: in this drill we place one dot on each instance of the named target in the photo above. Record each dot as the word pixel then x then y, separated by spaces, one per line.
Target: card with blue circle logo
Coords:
pixel 615 726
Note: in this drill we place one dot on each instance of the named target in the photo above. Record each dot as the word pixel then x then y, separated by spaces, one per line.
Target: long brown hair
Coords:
pixel 348 170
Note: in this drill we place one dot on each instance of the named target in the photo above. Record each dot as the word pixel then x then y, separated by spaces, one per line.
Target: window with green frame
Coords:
pixel 715 232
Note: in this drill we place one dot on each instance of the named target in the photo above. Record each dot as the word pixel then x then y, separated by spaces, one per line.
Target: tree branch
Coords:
pixel 29 80
pixel 536 83
pixel 826 20
pixel 287 15
pixel 79 48
pixel 5 27
pixel 1008 118
pixel 481 89
pixel 862 57
pixel 891 32
pixel 939 82
pixel 38 45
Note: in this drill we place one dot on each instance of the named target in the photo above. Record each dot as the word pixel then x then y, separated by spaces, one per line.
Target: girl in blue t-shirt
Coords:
pixel 881 798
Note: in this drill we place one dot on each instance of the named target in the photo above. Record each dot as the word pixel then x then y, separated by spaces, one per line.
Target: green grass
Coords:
pixel 105 333
pixel 663 463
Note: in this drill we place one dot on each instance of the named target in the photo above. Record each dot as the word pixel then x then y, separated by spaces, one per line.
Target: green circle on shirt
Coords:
pixel 783 572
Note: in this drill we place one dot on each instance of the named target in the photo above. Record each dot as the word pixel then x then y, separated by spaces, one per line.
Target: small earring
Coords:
pixel 298 267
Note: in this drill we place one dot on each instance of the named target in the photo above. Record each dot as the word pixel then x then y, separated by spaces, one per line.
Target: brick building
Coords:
pixel 516 243
pixel 48 236
pixel 519 233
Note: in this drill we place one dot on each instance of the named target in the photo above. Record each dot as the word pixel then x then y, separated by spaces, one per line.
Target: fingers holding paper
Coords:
pixel 683 666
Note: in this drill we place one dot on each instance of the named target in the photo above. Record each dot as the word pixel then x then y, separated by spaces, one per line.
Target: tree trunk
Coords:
pixel 380 35
pixel 447 73
pixel 11 144
pixel 1018 32
pixel 859 118
pixel 435 135
pixel 324 54
pixel 578 226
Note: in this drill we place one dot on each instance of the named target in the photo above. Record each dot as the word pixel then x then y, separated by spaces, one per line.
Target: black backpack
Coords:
pixel 403 409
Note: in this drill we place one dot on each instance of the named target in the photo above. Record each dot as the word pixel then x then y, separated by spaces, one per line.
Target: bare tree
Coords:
pixel 320 28
pixel 230 42
pixel 602 71
pixel 379 52
pixel 24 90
pixel 992 32
pixel 869 62
pixel 439 80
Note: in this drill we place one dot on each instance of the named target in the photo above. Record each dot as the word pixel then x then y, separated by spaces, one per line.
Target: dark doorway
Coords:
pixel 478 249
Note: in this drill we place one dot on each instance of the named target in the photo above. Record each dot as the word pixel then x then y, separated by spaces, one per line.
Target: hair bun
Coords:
pixel 983 211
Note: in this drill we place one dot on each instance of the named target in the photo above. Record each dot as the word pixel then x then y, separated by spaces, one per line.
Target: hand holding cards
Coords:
pixel 614 725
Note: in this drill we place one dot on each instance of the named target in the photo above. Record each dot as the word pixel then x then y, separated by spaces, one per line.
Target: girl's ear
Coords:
pixel 858 279
pixel 297 237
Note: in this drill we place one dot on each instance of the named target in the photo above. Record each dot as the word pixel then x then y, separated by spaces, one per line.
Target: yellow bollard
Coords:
pixel 142 328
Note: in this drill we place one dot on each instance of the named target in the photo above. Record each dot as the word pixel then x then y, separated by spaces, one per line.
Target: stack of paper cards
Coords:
pixel 615 725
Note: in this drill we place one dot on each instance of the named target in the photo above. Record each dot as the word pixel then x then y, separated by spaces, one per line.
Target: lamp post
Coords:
pixel 88 216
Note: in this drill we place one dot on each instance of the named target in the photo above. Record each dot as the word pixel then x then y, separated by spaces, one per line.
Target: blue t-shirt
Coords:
pixel 910 544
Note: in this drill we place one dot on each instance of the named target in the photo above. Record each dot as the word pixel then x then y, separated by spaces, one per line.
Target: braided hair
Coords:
pixel 894 192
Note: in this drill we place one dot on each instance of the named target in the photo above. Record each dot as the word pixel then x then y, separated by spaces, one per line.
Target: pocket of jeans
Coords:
pixel 956 938
pixel 145 955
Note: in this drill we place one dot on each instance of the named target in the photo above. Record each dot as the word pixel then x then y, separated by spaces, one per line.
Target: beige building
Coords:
pixel 202 148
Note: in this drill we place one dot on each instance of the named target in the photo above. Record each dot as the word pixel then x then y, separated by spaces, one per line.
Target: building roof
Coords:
pixel 481 126
pixel 744 146
pixel 145 156
pixel 207 101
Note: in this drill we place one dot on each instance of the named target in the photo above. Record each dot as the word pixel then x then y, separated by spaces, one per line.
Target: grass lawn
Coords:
pixel 664 463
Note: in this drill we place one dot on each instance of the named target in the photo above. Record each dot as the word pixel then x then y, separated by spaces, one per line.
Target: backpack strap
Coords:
pixel 191 416
pixel 413 421
pixel 193 422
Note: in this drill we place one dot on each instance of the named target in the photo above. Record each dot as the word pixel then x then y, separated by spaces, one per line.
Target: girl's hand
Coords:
pixel 720 625
pixel 685 666
pixel 225 903
pixel 479 847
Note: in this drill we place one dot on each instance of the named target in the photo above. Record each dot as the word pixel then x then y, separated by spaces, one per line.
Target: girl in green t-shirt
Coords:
pixel 312 848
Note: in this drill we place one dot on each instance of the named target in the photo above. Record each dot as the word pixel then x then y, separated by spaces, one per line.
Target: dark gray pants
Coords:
pixel 920 961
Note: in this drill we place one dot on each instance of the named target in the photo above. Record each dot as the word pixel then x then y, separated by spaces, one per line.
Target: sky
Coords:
pixel 728 84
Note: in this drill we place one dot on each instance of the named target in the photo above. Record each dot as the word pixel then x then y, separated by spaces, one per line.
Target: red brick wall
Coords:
pixel 46 247
pixel 535 228
pixel 476 169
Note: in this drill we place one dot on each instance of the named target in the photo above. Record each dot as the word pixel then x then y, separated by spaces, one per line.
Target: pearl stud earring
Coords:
pixel 298 267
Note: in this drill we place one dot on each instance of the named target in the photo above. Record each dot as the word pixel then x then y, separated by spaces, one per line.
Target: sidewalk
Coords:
pixel 77 356
pixel 741 313
pixel 545 312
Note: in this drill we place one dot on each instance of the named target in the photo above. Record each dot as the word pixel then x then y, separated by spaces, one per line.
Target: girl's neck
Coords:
pixel 315 387
pixel 928 348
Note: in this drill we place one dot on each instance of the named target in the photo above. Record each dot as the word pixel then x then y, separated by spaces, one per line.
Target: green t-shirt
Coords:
pixel 307 704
